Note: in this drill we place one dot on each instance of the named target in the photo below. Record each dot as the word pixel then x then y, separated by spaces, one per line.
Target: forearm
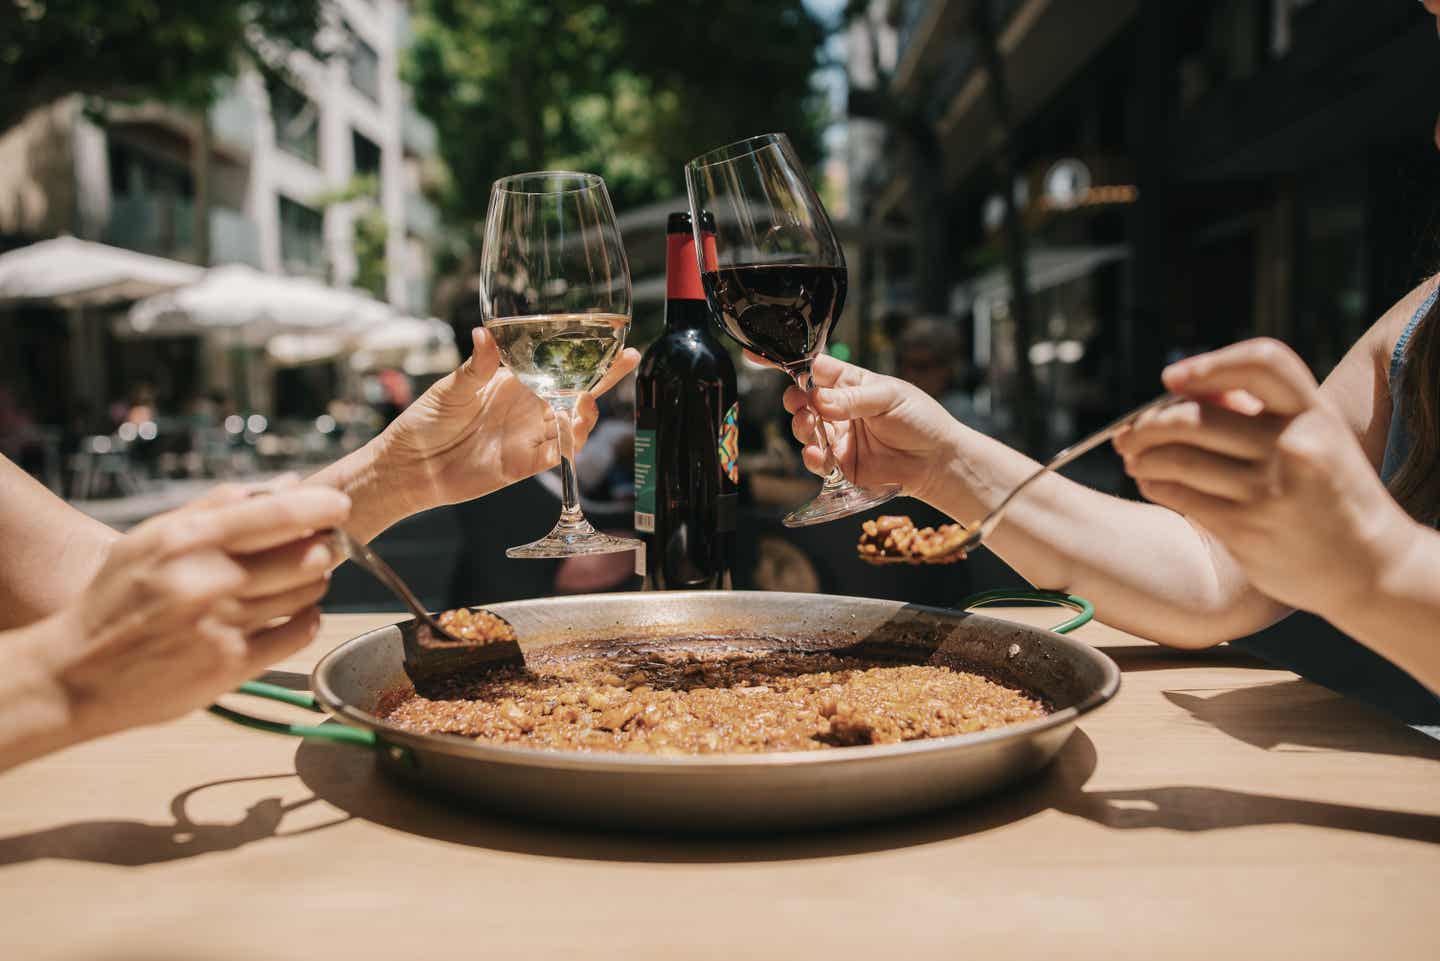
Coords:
pixel 1146 568
pixel 50 552
pixel 35 715
pixel 374 504
pixel 382 490
pixel 1398 616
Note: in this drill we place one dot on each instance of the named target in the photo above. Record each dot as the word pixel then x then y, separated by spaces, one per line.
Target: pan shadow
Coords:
pixel 350 781
pixel 127 843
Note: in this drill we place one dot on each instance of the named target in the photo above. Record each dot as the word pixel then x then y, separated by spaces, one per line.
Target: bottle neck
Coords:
pixel 687 315
pixel 685 306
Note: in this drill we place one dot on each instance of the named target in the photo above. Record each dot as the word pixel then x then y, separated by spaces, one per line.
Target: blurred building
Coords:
pixel 320 176
pixel 1187 173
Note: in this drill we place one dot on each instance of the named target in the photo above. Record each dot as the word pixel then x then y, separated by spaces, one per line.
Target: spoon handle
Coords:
pixel 361 554
pixel 1075 450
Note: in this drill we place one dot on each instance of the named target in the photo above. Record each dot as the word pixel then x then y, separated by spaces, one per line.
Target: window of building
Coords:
pixel 139 173
pixel 152 202
pixel 297 122
pixel 302 238
pixel 365 69
pixel 367 154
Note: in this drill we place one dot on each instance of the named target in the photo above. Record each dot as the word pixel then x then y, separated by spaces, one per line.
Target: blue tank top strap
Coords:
pixel 1398 440
pixel 1397 359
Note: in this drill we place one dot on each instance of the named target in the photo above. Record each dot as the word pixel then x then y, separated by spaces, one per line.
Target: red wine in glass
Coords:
pixel 783 312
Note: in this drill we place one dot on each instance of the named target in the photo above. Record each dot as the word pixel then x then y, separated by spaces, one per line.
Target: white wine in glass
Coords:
pixel 555 295
pixel 560 355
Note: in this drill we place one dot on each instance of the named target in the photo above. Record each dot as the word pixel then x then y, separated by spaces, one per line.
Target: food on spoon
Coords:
pixel 895 540
pixel 709 696
pixel 477 626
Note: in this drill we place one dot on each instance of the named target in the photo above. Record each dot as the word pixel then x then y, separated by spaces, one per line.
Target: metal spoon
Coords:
pixel 432 654
pixel 987 525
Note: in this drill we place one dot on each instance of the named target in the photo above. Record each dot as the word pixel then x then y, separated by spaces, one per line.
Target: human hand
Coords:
pixel 478 430
pixel 1262 461
pixel 883 430
pixel 188 605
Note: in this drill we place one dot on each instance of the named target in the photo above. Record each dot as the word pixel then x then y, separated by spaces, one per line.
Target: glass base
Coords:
pixel 839 498
pixel 573 539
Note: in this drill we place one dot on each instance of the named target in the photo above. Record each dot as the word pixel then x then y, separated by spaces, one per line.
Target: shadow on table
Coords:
pixel 290 680
pixel 1190 809
pixel 1299 715
pixel 1155 657
pixel 134 843
pixel 350 781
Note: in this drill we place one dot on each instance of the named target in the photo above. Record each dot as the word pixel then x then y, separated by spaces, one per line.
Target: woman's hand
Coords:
pixel 475 431
pixel 883 430
pixel 1262 461
pixel 186 606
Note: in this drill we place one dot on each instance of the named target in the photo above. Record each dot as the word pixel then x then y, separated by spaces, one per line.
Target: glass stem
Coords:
pixel 570 513
pixel 833 474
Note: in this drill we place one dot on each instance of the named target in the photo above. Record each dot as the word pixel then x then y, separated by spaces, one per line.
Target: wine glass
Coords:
pixel 555 295
pixel 774 275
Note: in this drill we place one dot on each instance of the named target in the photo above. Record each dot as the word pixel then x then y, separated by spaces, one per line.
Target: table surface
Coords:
pixel 1215 808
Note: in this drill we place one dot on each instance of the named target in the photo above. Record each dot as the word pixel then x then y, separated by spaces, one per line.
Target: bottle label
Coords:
pixel 645 480
pixel 730 443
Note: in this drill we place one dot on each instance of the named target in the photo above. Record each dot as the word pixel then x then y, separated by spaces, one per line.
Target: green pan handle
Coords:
pixel 1085 610
pixel 272 692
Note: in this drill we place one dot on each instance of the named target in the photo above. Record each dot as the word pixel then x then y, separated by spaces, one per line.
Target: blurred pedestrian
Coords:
pixel 20 439
pixel 396 393
pixel 142 407
pixel 928 355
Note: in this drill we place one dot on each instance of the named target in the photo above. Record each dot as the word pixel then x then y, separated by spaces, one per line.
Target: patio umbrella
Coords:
pixel 404 334
pixel 296 350
pixel 419 345
pixel 368 336
pixel 77 273
pixel 254 307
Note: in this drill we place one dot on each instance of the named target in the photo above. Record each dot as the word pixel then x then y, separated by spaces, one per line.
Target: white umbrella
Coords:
pixel 404 334
pixel 419 346
pixel 78 273
pixel 369 336
pixel 295 350
pixel 258 305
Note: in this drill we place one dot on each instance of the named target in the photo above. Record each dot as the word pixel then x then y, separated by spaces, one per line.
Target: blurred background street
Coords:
pixel 237 240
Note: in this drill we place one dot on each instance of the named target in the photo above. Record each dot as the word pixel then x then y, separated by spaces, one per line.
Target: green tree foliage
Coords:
pixel 369 230
pixel 628 90
pixel 172 50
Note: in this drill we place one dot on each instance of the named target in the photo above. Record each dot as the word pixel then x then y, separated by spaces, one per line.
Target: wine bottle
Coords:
pixel 687 436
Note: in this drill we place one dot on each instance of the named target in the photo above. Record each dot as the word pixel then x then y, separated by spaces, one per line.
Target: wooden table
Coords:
pixel 1216 809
